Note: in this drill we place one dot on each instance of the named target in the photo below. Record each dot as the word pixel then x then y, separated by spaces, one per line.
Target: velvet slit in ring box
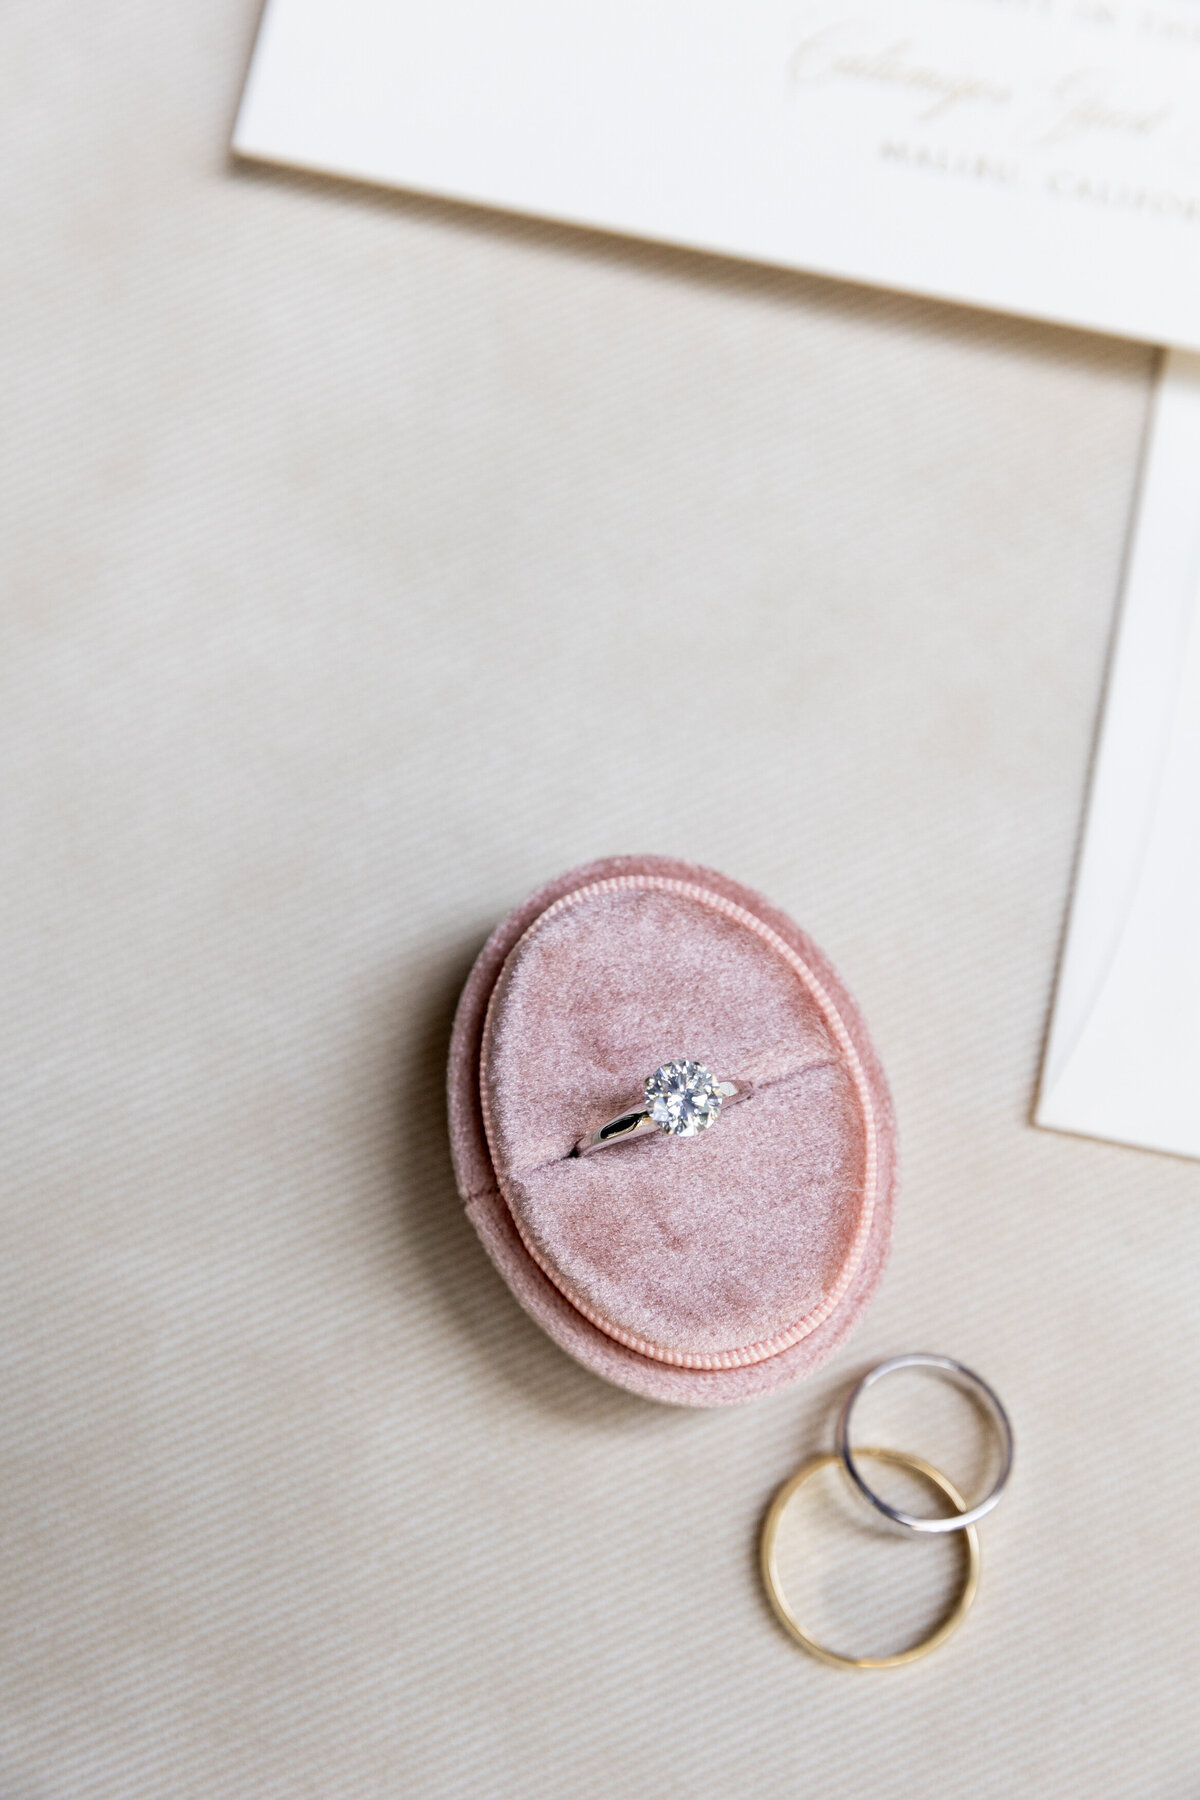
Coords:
pixel 701 1270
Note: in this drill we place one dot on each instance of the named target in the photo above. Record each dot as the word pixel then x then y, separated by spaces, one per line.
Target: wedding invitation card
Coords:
pixel 1123 1059
pixel 1038 156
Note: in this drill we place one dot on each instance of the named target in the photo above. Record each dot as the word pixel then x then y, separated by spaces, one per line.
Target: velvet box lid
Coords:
pixel 703 1270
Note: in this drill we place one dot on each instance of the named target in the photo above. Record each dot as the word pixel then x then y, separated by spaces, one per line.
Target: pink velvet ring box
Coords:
pixel 700 1270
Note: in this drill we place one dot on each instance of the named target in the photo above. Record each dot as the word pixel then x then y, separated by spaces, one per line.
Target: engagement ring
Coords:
pixel 681 1099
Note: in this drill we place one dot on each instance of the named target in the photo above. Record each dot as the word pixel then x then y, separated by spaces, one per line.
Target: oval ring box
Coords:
pixel 704 1270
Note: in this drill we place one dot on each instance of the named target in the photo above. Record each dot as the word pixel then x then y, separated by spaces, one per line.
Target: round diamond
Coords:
pixel 682 1097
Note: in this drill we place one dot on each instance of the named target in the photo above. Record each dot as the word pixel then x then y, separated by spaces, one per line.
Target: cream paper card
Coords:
pixel 1038 156
pixel 1123 1058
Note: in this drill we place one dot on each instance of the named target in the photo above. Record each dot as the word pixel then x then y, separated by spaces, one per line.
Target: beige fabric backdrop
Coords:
pixel 367 562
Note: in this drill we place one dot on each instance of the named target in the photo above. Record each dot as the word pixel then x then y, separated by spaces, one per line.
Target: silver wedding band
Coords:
pixel 963 1377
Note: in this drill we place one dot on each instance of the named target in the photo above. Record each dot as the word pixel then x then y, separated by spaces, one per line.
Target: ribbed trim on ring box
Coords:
pixel 700 1271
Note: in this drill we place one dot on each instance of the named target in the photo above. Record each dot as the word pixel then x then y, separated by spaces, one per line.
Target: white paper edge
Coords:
pixel 1161 593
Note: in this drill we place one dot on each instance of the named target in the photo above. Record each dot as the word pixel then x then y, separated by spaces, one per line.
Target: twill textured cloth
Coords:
pixel 365 564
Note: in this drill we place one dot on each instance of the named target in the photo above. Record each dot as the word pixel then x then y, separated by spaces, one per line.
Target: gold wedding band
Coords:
pixel 787 1618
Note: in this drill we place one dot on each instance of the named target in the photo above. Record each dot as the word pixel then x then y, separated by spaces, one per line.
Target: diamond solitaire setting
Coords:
pixel 683 1097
